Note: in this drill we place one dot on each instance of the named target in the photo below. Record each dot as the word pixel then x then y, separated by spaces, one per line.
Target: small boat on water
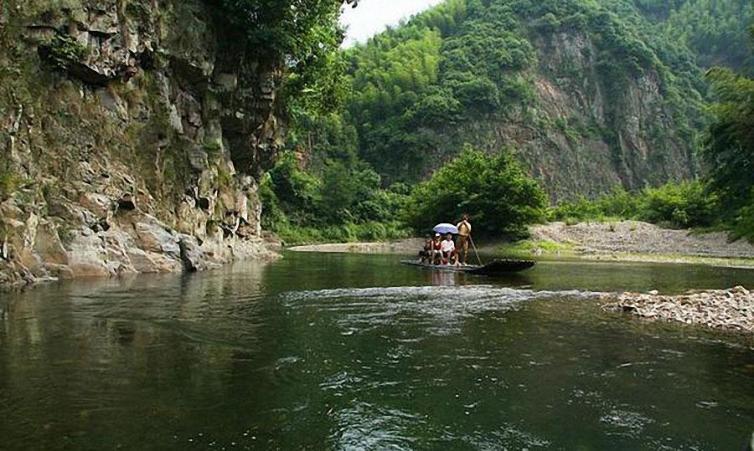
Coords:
pixel 494 268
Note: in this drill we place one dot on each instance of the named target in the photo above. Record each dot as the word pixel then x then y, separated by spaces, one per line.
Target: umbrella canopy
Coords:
pixel 446 228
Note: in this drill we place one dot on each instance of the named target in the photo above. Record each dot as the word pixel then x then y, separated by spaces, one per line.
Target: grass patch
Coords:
pixel 9 183
pixel 527 248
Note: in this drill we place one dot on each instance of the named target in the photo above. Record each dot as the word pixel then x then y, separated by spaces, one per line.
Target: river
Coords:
pixel 326 351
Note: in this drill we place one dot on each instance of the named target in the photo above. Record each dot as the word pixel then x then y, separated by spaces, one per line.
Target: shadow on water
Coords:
pixel 358 352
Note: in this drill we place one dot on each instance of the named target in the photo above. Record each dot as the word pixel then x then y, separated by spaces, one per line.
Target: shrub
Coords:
pixel 295 189
pixel 498 194
pixel 9 182
pixel 685 204
pixel 574 211
pixel 63 51
pixel 743 225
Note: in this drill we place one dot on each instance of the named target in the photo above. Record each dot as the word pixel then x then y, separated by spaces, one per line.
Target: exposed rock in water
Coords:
pixel 124 147
pixel 719 309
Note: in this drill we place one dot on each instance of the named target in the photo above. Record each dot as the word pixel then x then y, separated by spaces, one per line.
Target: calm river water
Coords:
pixel 357 352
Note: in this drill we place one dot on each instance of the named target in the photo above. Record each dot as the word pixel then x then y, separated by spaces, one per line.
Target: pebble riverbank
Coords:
pixel 635 237
pixel 731 309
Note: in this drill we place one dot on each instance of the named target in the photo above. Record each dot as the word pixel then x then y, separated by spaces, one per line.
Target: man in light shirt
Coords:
pixel 448 249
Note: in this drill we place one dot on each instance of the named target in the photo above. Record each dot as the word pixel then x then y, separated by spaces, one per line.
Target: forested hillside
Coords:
pixel 713 30
pixel 587 96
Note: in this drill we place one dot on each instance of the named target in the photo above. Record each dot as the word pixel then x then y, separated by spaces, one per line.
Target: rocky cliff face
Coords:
pixel 587 131
pixel 601 131
pixel 130 140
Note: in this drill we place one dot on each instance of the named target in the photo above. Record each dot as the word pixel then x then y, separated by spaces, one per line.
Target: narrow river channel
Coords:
pixel 320 351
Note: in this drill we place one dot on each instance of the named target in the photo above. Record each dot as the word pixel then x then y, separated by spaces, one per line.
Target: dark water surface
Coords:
pixel 356 352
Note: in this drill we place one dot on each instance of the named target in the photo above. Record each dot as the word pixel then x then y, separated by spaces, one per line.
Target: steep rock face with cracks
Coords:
pixel 130 141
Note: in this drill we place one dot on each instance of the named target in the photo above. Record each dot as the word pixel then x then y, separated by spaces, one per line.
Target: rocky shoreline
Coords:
pixel 131 140
pixel 730 310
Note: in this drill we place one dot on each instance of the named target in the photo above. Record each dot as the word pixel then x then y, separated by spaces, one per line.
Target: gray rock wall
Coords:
pixel 129 142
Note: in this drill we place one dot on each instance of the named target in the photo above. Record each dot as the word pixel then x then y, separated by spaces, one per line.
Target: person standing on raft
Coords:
pixel 464 236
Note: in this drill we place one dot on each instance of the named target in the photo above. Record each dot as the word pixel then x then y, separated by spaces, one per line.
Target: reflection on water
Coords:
pixel 356 352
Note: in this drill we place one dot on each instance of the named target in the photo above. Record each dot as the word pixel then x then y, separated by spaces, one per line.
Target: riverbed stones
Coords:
pixel 731 309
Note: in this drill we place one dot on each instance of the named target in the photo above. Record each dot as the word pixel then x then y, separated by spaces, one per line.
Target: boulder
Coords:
pixel 152 236
pixel 152 262
pixel 192 255
pixel 87 254
pixel 99 204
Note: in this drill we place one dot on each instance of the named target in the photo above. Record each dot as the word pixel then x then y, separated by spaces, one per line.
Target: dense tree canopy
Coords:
pixel 301 36
pixel 715 30
pixel 494 190
pixel 729 148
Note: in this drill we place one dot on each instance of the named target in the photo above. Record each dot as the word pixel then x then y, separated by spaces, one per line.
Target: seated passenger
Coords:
pixel 436 250
pixel 425 255
pixel 448 248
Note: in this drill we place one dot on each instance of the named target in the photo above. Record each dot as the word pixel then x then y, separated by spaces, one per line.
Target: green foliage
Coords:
pixel 743 224
pixel 715 30
pixel 343 233
pixel 343 202
pixel 581 209
pixel 422 89
pixel 213 149
pixel 9 182
pixel 497 193
pixel 347 192
pixel 685 204
pixel 65 50
pixel 729 147
pixel 292 190
pixel 453 62
pixel 301 36
pixel 295 29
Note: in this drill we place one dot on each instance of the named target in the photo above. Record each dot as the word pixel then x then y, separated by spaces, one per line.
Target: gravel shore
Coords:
pixel 731 310
pixel 640 238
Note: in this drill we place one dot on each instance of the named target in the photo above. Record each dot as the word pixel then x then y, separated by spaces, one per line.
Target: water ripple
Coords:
pixel 440 310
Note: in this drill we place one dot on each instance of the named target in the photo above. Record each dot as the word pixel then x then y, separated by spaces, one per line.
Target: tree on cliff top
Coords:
pixel 292 29
pixel 300 36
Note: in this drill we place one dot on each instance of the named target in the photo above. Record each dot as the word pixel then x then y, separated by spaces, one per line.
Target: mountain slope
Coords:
pixel 588 94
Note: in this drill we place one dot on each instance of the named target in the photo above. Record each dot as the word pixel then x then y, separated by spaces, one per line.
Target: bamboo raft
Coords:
pixel 494 268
